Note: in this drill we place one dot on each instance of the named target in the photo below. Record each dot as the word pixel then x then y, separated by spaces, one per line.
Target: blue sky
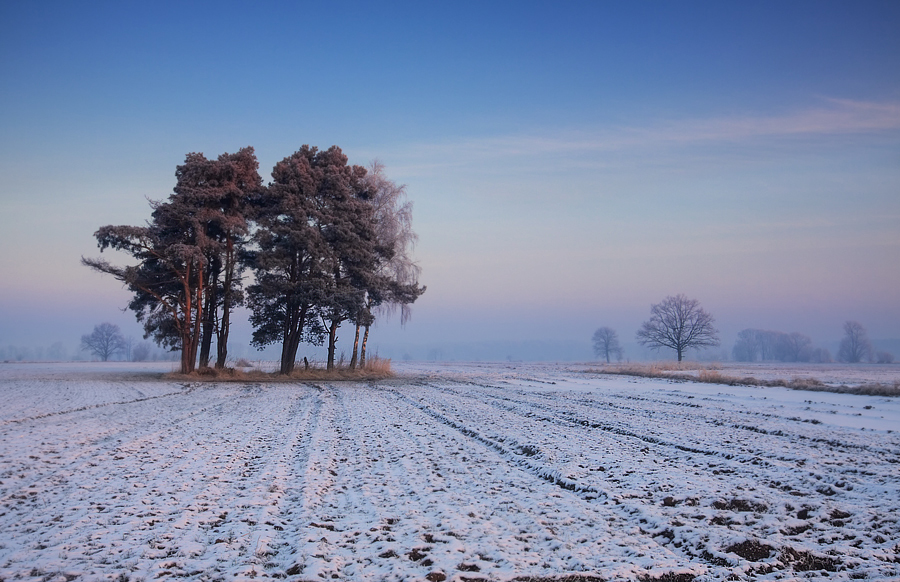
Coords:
pixel 570 163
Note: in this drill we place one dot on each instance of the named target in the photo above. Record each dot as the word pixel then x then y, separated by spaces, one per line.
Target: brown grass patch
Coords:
pixel 376 369
pixel 711 375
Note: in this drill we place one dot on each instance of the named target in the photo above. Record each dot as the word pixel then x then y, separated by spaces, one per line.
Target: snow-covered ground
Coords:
pixel 448 472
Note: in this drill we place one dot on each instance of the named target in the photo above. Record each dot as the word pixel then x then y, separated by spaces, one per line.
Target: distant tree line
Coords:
pixel 327 243
pixel 13 353
pixel 680 323
pixel 756 345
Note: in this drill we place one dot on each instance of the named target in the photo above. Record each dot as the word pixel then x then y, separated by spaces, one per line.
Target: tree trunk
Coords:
pixel 209 327
pixel 362 351
pixel 186 362
pixel 287 362
pixel 227 300
pixel 289 352
pixel 198 318
pixel 190 327
pixel 291 343
pixel 355 348
pixel 206 341
pixel 679 354
pixel 332 343
pixel 222 340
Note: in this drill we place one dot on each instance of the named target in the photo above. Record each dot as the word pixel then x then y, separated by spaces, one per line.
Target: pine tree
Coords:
pixel 186 281
pixel 313 252
pixel 220 190
pixel 168 280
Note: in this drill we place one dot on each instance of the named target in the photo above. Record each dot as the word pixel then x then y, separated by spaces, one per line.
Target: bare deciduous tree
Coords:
pixel 104 342
pixel 678 323
pixel 140 352
pixel 606 343
pixel 397 281
pixel 855 346
pixel 794 347
pixel 748 346
pixel 759 344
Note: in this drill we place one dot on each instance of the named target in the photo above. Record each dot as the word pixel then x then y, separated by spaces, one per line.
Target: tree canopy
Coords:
pixel 855 345
pixel 678 323
pixel 104 342
pixel 326 243
pixel 606 344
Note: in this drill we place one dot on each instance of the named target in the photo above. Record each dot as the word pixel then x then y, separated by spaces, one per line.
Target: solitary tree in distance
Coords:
pixel 606 343
pixel 104 342
pixel 678 323
pixel 855 346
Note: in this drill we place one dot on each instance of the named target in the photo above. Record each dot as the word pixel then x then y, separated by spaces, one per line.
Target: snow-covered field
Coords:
pixel 448 472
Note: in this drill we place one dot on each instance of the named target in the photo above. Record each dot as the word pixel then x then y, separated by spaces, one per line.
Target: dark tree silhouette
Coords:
pixel 104 342
pixel 187 255
pixel 855 346
pixel 168 280
pixel 678 323
pixel 220 190
pixel 315 253
pixel 606 344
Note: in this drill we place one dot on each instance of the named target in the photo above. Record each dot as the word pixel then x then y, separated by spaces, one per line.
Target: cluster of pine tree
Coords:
pixel 327 243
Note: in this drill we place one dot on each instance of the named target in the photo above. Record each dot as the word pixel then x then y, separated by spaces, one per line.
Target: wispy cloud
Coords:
pixel 835 117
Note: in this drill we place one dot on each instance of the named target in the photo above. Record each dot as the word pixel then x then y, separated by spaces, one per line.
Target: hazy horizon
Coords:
pixel 569 166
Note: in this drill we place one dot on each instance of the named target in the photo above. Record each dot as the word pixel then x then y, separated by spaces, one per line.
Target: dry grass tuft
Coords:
pixel 873 389
pixel 711 375
pixel 376 369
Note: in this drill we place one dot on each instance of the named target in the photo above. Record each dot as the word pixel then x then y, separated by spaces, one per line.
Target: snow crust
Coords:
pixel 460 471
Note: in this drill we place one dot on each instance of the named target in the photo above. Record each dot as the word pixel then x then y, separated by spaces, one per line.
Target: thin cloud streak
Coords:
pixel 840 117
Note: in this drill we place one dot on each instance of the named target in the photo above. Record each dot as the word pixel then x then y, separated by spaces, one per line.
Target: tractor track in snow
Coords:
pixel 470 477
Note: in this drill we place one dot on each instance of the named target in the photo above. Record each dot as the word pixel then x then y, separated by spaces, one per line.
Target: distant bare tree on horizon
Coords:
pixel 855 346
pixel 104 342
pixel 764 345
pixel 140 352
pixel 606 343
pixel 795 347
pixel 678 323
